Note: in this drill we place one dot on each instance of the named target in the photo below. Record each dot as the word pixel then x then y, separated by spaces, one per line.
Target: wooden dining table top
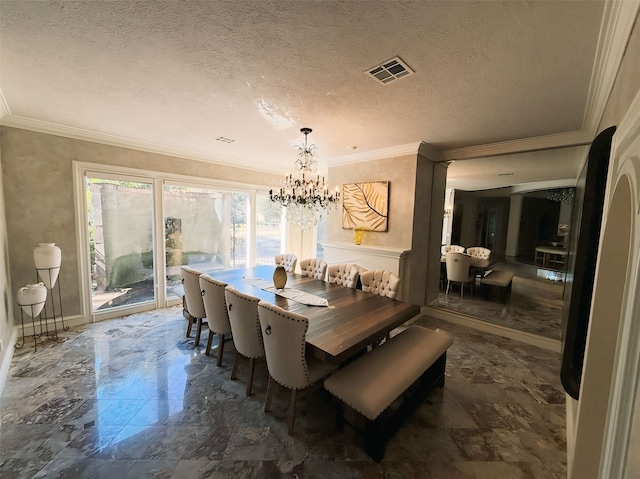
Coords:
pixel 353 319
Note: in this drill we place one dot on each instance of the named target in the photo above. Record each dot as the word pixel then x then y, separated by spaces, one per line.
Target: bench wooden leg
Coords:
pixel 375 439
pixel 340 417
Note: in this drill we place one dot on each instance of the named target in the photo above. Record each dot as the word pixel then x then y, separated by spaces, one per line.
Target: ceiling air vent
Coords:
pixel 390 70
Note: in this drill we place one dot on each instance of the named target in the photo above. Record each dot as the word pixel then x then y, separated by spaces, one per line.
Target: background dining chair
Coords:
pixel 479 252
pixel 344 274
pixel 193 300
pixel 245 326
pixel 458 271
pixel 314 268
pixel 215 308
pixel 448 248
pixel 287 260
pixel 381 282
pixel 283 333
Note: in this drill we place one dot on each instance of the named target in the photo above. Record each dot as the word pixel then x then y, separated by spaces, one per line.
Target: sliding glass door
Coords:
pixel 120 220
pixel 205 228
pixel 270 229
pixel 141 227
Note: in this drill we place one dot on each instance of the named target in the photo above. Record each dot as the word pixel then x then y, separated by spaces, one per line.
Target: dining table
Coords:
pixel 351 320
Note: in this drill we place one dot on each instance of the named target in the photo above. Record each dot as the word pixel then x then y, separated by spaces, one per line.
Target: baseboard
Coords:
pixel 69 322
pixel 7 356
pixel 488 327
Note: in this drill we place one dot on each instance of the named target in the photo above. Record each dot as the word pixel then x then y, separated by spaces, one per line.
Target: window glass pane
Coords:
pixel 321 236
pixel 205 229
pixel 269 228
pixel 120 216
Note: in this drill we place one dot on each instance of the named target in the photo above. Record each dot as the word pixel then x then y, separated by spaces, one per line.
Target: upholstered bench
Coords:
pixel 380 389
pixel 497 283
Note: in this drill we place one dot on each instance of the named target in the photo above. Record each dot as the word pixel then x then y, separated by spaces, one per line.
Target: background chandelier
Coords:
pixel 561 194
pixel 304 192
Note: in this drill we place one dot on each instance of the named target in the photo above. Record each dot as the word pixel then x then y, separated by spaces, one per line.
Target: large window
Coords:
pixel 120 219
pixel 269 229
pixel 205 229
pixel 141 227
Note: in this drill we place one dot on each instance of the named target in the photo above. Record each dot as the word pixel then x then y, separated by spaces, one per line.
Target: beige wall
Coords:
pixel 38 188
pixel 6 303
pixel 401 173
pixel 416 203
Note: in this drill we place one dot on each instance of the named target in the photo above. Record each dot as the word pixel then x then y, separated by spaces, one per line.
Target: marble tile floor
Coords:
pixel 131 398
pixel 534 305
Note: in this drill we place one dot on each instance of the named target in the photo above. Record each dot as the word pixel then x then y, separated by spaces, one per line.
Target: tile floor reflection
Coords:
pixel 534 305
pixel 130 398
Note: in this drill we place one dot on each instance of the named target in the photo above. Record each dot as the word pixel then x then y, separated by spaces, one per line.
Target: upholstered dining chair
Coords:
pixel 193 303
pixel 479 252
pixel 283 333
pixel 381 282
pixel 345 274
pixel 216 309
pixel 452 248
pixel 314 268
pixel 245 326
pixel 287 260
pixel 458 271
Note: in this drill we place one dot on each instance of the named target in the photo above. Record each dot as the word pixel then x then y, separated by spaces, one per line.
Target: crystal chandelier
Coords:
pixel 304 192
pixel 561 194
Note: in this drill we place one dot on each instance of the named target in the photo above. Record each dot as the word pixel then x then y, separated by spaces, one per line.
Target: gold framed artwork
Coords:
pixel 365 206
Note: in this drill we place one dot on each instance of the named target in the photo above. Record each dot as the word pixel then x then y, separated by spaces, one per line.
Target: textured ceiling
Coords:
pixel 180 74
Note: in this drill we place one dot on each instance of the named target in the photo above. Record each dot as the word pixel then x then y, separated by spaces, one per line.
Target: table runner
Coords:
pixel 289 293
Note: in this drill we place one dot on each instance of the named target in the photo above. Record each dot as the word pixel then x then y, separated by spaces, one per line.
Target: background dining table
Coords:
pixel 352 320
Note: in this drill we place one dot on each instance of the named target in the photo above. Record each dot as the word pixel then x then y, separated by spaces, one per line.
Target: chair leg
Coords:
pixel 461 290
pixel 209 343
pixel 234 369
pixel 220 348
pixel 292 410
pixel 198 331
pixel 448 284
pixel 267 401
pixel 189 325
pixel 252 367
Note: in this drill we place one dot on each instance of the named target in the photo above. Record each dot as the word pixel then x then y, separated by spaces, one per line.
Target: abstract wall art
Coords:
pixel 365 206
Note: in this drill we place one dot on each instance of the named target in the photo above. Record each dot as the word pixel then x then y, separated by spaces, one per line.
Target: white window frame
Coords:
pixel 158 180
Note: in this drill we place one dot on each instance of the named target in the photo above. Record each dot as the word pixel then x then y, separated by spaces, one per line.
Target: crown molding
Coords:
pixel 617 22
pixel 4 106
pixel 39 126
pixel 544 185
pixel 547 142
pixel 392 151
pixel 431 152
